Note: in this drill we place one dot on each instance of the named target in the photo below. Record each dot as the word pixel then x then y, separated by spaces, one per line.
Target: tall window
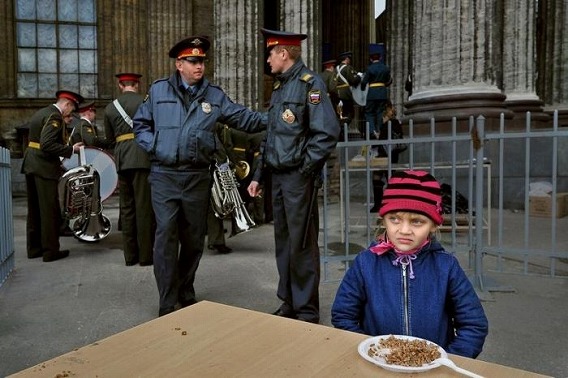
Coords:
pixel 57 47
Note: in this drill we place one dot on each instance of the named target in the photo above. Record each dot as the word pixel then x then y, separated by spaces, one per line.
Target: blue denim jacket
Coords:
pixel 439 304
pixel 180 136
pixel 302 125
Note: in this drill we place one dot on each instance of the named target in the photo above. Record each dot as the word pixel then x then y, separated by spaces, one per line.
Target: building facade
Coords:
pixel 465 58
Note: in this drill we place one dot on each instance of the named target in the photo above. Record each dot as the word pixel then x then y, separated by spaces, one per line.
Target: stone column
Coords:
pixel 553 56
pixel 399 48
pixel 303 16
pixel 238 50
pixel 519 59
pixel 456 57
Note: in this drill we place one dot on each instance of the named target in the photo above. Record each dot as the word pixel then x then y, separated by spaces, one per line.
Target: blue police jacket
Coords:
pixel 302 128
pixel 179 136
pixel 378 78
pixel 439 304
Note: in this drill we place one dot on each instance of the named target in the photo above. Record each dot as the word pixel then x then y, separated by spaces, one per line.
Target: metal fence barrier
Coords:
pixel 6 223
pixel 510 238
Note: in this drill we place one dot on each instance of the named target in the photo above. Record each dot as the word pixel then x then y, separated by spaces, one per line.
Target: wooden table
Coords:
pixel 214 340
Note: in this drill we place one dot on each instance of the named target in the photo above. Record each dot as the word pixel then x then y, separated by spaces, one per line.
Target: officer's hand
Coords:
pixel 254 189
pixel 77 146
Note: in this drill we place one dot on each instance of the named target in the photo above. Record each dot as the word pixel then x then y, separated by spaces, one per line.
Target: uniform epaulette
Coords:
pixel 215 86
pixel 306 77
pixel 162 79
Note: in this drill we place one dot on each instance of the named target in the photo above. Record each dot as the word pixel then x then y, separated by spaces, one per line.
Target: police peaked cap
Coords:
pixel 191 48
pixel 276 37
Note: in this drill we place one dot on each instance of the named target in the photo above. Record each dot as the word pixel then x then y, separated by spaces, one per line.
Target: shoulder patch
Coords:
pixel 53 122
pixel 306 77
pixel 314 96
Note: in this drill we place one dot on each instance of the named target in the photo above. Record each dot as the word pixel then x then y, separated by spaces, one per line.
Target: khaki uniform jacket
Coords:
pixel 127 153
pixel 47 143
pixel 86 132
pixel 349 73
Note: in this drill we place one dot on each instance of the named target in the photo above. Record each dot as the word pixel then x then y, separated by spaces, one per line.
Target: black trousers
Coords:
pixel 137 216
pixel 44 215
pixel 298 265
pixel 180 201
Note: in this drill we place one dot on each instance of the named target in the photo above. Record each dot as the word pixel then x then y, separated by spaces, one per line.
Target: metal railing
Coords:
pixel 6 222
pixel 509 238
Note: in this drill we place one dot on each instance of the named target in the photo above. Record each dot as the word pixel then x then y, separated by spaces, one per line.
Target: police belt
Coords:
pixel 34 145
pixel 123 137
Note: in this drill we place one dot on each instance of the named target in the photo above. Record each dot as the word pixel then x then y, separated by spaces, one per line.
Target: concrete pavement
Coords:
pixel 47 309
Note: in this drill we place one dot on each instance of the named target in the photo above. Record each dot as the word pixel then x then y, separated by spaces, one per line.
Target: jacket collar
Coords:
pixel 291 72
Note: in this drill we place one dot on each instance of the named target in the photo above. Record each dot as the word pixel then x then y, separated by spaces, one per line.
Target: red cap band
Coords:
pixel 282 40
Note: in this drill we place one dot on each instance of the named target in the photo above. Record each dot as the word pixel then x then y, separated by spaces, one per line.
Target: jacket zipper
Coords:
pixel 405 288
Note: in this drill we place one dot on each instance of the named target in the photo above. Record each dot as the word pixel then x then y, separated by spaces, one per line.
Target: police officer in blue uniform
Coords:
pixel 378 78
pixel 175 125
pixel 302 132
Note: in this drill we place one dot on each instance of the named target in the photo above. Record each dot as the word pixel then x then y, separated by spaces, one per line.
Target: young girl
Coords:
pixel 406 283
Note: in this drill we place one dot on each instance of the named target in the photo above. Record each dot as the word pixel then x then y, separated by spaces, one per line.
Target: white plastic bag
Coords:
pixel 540 189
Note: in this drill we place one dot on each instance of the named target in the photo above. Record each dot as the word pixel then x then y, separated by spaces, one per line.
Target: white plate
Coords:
pixel 364 349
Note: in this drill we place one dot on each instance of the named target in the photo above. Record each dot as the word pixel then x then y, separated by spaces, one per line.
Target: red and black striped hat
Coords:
pixel 413 191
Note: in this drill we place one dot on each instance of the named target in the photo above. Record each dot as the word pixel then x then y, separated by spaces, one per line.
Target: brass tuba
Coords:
pixel 242 169
pixel 226 199
pixel 80 200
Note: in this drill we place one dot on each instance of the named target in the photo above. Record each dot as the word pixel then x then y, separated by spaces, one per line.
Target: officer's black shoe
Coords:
pixel 35 254
pixel 131 262
pixel 50 256
pixel 146 263
pixel 285 312
pixel 183 304
pixel 166 311
pixel 221 248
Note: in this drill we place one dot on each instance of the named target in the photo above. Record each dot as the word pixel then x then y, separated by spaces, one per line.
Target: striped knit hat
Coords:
pixel 413 191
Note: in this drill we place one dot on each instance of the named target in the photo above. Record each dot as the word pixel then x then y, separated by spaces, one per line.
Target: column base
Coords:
pixel 461 103
pixel 520 104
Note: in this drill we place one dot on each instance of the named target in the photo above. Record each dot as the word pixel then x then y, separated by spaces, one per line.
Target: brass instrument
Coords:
pixel 80 200
pixel 226 199
pixel 242 169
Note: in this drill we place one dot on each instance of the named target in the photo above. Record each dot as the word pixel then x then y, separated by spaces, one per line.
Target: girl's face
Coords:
pixel 407 231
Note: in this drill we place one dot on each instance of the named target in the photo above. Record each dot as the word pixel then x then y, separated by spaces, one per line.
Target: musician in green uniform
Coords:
pixel 347 77
pixel 42 167
pixel 133 167
pixel 85 130
pixel 329 77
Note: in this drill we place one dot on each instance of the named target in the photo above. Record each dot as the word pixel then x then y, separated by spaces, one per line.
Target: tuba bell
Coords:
pixel 80 200
pixel 226 199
